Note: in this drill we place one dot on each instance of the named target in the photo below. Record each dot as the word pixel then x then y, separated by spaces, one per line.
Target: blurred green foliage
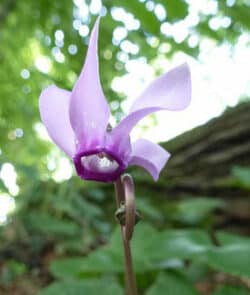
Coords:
pixel 28 33
pixel 59 228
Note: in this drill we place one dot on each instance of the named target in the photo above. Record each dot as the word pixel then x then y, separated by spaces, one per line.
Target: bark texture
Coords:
pixel 204 157
pixel 202 164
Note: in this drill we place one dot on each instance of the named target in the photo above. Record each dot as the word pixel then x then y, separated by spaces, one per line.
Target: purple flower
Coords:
pixel 77 121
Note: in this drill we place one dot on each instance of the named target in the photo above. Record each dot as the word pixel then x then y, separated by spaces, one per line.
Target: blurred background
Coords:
pixel 58 234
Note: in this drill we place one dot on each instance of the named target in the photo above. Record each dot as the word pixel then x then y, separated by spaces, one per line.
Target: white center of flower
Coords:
pixel 100 163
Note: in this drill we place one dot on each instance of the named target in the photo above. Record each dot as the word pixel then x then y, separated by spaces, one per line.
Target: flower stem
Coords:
pixel 124 190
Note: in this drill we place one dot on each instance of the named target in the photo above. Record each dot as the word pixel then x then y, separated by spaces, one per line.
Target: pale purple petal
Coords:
pixel 54 110
pixel 172 91
pixel 89 111
pixel 150 156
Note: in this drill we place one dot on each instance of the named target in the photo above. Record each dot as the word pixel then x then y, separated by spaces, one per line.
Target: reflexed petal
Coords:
pixel 89 111
pixel 54 110
pixel 150 156
pixel 172 91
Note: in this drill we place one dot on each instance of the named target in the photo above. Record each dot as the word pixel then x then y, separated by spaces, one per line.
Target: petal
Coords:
pixel 172 91
pixel 89 111
pixel 150 156
pixel 54 110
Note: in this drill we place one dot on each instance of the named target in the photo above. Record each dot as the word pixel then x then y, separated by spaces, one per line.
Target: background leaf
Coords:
pixel 92 287
pixel 170 283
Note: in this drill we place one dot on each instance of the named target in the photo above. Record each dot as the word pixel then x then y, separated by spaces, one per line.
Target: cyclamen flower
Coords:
pixel 78 121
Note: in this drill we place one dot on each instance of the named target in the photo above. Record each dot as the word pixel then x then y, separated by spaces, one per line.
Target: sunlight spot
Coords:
pixel 114 105
pixel 83 30
pixel 165 48
pixel 204 6
pixel 214 23
pixel 81 13
pixel 230 3
pixel 107 54
pixel 120 33
pixel 19 132
pixel 8 175
pixel 72 49
pixel 193 41
pixel 25 74
pixel 129 47
pixel 59 57
pixel 72 77
pixel 63 170
pixel 119 66
pixel 122 56
pixel 95 6
pixel 128 19
pixel 160 12
pixel 119 14
pixel 76 24
pixel 59 35
pixel 51 165
pixel 103 11
pixel 7 205
pixel 139 72
pixel 166 29
pixel 78 2
pixel 43 64
pixel 150 5
pixel 59 43
pixel 41 131
pixel 11 135
pixel 192 19
pixel 153 41
pixel 47 40
pixel 179 31
pixel 226 22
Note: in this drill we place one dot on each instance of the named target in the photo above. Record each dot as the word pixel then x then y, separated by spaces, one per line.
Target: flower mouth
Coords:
pixel 99 165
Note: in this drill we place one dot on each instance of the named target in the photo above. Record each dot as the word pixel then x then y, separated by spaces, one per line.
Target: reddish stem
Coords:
pixel 124 189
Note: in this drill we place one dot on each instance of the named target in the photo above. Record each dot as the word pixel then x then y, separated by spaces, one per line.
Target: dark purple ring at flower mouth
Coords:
pixel 99 164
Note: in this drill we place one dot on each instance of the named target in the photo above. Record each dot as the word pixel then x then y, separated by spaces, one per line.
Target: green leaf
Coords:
pixel 12 269
pixel 100 261
pixel 229 290
pixel 242 176
pixel 2 186
pixel 148 210
pixel 233 259
pixel 105 286
pixel 176 9
pixel 51 225
pixel 169 283
pixel 152 250
pixel 226 238
pixel 184 243
pixel 147 18
pixel 195 210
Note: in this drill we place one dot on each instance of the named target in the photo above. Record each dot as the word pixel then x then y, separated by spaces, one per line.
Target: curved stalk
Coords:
pixel 124 188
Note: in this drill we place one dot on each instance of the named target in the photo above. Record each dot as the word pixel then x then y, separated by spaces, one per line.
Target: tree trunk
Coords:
pixel 203 157
pixel 202 164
